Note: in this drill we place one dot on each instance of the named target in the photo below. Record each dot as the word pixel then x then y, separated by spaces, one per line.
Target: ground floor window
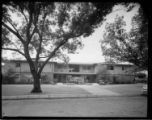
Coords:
pixel 60 78
pixel 68 78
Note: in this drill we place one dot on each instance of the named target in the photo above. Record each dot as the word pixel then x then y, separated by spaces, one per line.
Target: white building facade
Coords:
pixel 72 72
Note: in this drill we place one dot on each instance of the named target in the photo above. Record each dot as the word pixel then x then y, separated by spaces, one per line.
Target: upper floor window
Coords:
pixel 60 66
pixel 110 67
pixel 86 67
pixel 18 64
pixel 73 68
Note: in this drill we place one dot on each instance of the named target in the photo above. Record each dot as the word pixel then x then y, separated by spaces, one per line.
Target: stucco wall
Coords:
pixel 26 68
pixel 102 68
pixel 60 68
pixel 99 69
pixel 84 69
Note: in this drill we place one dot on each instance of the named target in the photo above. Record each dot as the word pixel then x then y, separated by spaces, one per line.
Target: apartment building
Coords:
pixel 72 72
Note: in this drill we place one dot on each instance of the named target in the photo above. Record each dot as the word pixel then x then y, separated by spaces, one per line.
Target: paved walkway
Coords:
pixel 98 90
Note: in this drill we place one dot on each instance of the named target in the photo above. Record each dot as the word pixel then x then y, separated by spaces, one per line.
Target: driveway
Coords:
pixel 98 90
pixel 122 89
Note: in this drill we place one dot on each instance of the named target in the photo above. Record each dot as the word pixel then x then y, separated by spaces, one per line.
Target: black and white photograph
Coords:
pixel 74 59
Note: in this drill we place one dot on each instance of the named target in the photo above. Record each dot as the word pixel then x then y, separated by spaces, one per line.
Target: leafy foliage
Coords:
pixel 118 45
pixel 45 30
pixel 9 77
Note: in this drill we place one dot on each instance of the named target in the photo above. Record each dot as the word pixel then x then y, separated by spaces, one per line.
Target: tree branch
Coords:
pixel 43 56
pixel 23 13
pixel 52 54
pixel 67 37
pixel 13 26
pixel 40 35
pixel 34 30
pixel 16 50
pixel 22 6
pixel 28 30
pixel 15 45
pixel 12 31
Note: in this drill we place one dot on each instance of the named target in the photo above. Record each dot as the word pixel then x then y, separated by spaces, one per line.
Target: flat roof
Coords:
pixel 75 63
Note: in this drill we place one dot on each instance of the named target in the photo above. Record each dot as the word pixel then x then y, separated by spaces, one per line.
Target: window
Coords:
pixel 17 64
pixel 73 68
pixel 86 67
pixel 123 68
pixel 60 66
pixel 109 67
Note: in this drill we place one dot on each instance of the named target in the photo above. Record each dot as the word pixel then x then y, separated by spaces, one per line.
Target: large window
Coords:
pixel 86 67
pixel 73 68
pixel 110 67
pixel 17 64
pixel 59 66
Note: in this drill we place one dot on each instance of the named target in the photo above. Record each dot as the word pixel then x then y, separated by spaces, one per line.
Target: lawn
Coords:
pixel 122 89
pixel 12 90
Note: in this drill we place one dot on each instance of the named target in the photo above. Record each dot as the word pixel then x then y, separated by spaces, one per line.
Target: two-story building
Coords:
pixel 122 73
pixel 73 72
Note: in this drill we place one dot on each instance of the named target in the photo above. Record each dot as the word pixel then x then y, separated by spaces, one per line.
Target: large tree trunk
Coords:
pixel 36 83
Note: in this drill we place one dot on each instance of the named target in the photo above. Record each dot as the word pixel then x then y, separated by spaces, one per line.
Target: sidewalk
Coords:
pixel 50 96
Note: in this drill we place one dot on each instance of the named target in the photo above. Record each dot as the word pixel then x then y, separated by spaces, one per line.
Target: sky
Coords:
pixel 91 52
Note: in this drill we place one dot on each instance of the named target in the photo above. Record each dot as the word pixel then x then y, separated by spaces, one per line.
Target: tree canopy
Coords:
pixel 132 46
pixel 46 29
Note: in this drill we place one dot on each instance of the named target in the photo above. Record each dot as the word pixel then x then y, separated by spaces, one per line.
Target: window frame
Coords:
pixel 122 68
pixel 18 64
pixel 110 67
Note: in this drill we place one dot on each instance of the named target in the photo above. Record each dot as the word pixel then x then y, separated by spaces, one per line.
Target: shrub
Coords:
pixel 9 77
pixel 141 75
pixel 44 79
pixel 24 80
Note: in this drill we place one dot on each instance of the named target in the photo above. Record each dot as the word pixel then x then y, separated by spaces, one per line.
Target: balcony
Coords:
pixel 74 69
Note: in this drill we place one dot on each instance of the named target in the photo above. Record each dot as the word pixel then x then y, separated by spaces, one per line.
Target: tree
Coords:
pixel 118 45
pixel 45 30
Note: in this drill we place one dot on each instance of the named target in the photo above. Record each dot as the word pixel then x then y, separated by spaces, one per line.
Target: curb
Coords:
pixel 45 97
pixel 54 96
pixel 62 96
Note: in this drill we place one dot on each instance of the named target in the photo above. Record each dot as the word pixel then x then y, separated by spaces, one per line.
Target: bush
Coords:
pixel 102 78
pixel 141 75
pixel 44 79
pixel 24 80
pixel 9 77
